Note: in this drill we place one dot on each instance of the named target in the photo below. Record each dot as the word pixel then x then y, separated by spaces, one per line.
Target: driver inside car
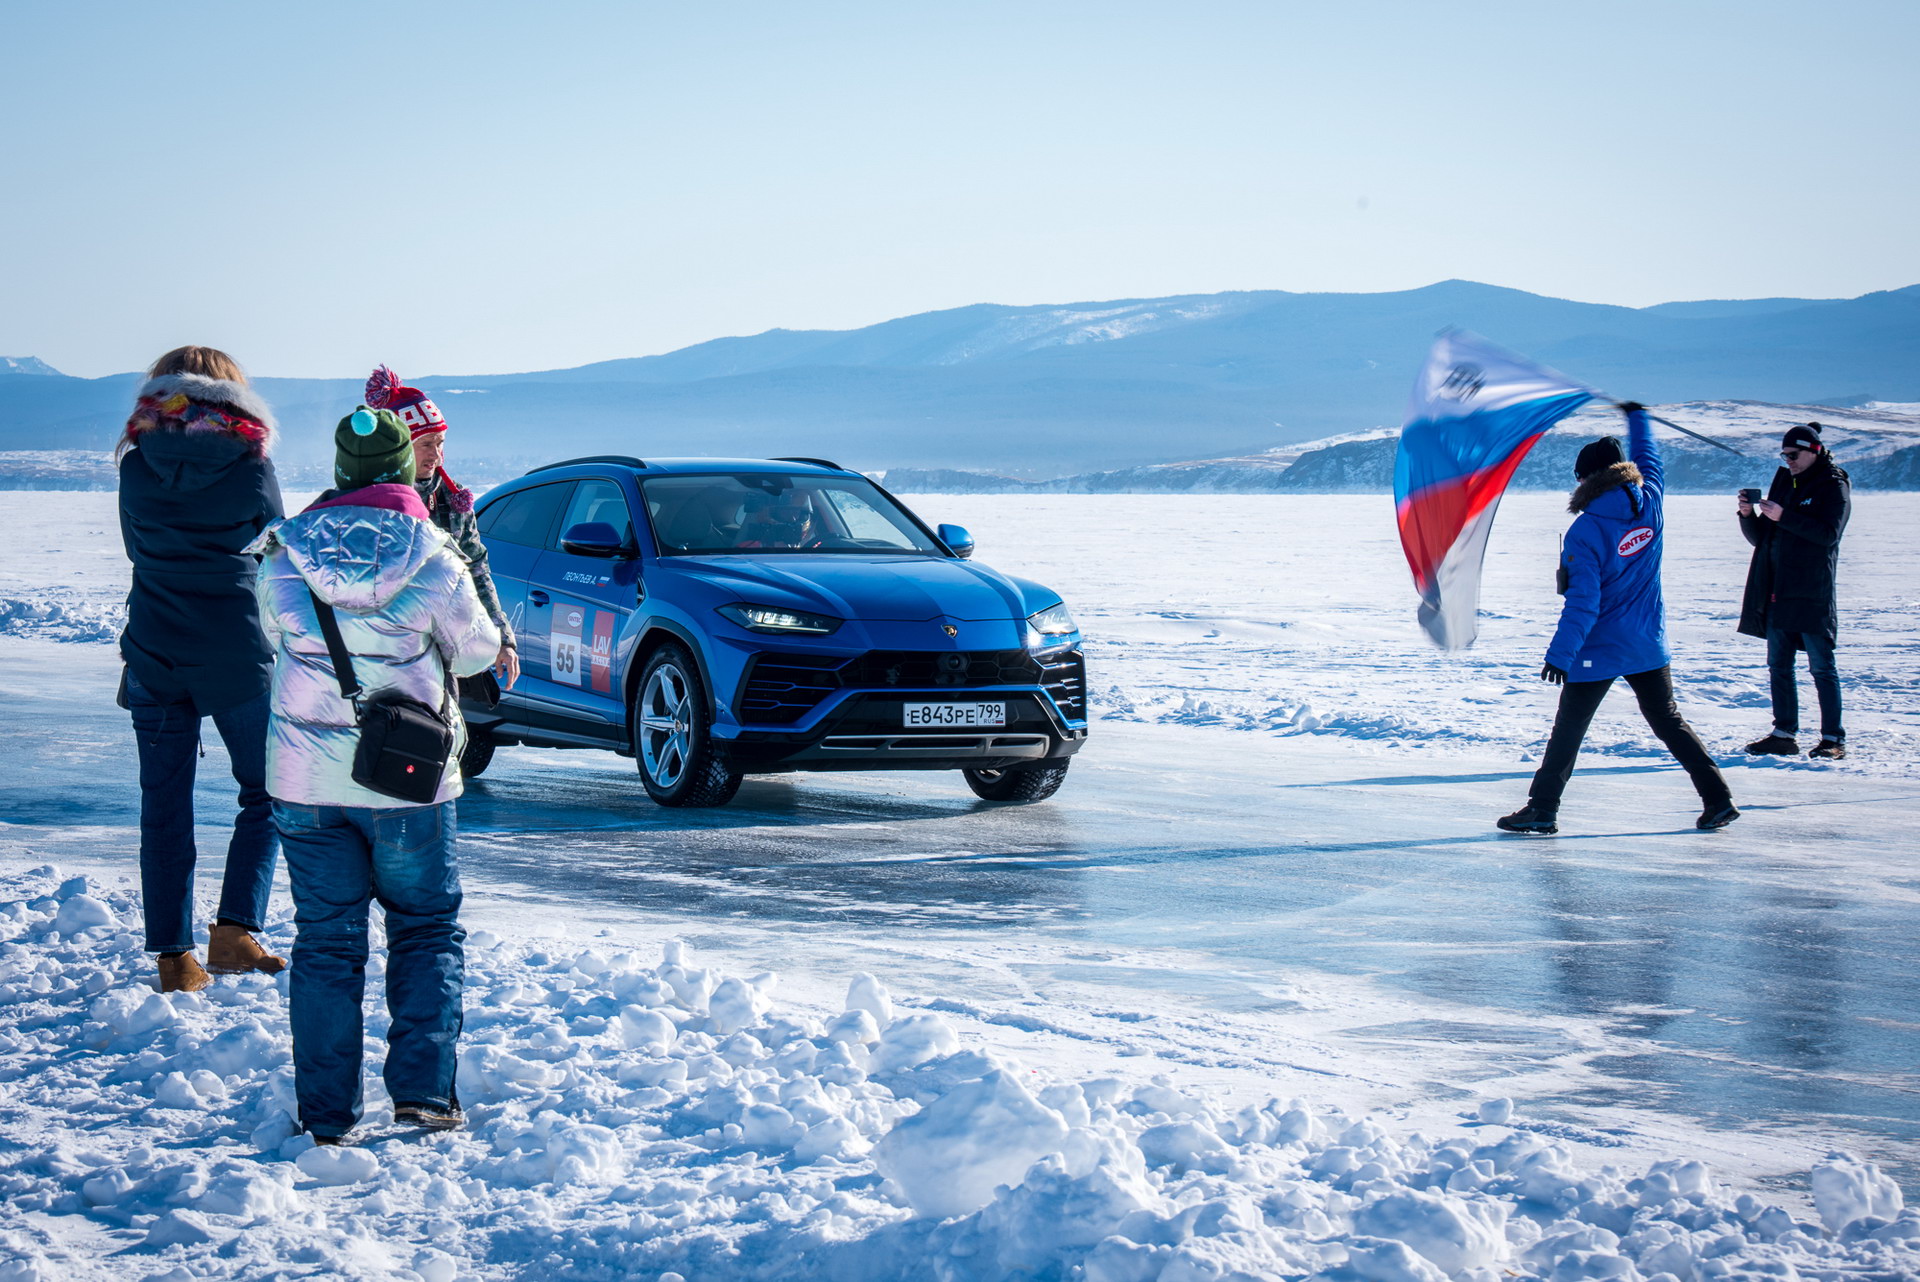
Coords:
pixel 777 521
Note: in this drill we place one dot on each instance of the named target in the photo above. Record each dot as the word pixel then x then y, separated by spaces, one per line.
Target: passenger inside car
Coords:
pixel 778 521
pixel 706 518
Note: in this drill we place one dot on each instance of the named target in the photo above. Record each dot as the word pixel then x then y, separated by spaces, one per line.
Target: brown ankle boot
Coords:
pixel 182 974
pixel 233 951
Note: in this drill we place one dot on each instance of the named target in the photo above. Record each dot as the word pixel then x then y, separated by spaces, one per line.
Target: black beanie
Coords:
pixel 1803 436
pixel 1598 456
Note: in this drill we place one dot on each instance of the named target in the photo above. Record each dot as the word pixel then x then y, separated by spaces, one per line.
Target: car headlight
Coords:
pixel 1054 621
pixel 767 618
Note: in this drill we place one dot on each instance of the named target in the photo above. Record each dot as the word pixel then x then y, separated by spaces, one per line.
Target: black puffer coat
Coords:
pixel 193 494
pixel 1792 579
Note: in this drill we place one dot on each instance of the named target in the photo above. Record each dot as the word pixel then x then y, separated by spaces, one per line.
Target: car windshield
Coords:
pixel 761 512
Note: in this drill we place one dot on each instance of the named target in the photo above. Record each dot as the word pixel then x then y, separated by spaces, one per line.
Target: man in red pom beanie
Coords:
pixel 448 503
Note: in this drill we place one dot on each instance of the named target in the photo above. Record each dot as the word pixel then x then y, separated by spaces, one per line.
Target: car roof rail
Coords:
pixel 817 462
pixel 624 460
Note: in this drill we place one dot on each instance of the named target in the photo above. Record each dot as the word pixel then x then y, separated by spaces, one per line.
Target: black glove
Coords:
pixel 1632 407
pixel 1553 676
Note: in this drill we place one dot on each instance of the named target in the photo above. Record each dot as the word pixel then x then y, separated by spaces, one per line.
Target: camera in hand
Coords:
pixel 1750 497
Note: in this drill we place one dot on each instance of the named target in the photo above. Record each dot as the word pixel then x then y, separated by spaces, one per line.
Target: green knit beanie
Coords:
pixel 371 447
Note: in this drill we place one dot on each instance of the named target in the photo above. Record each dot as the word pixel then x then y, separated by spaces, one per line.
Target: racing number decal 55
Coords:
pixel 563 642
pixel 577 647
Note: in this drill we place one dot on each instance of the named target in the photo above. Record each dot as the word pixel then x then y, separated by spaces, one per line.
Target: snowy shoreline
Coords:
pixel 638 1118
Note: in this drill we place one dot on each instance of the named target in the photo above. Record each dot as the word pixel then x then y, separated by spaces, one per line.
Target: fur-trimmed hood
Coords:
pixel 193 402
pixel 1616 477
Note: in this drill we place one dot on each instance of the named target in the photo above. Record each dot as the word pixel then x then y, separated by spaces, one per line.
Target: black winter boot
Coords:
pixel 1717 814
pixel 1529 818
pixel 1829 750
pixel 1774 745
pixel 430 1117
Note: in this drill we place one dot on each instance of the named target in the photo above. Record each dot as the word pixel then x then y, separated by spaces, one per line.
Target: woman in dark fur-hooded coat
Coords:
pixel 196 487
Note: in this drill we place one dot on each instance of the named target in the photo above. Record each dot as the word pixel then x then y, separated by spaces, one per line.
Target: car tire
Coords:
pixel 672 741
pixel 478 754
pixel 1018 783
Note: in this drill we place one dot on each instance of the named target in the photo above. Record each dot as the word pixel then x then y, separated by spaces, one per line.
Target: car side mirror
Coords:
pixel 957 539
pixel 593 538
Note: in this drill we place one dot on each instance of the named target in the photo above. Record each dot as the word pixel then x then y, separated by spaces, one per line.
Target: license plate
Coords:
pixel 956 714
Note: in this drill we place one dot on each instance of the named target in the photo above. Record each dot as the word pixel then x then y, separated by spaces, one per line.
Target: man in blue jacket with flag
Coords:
pixel 1614 625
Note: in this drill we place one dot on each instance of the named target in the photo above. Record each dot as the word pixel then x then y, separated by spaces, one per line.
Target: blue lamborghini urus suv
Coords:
pixel 714 618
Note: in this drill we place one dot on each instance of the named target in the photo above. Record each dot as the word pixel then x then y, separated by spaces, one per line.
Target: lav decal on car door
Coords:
pixel 601 657
pixel 565 653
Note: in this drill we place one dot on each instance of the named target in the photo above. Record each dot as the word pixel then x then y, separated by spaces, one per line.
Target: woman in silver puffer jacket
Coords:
pixel 409 617
pixel 407 610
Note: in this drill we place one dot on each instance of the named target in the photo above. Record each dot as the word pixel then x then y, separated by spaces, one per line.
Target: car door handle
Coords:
pixel 538 597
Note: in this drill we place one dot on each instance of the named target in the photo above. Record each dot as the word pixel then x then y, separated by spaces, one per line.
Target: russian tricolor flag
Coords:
pixel 1476 411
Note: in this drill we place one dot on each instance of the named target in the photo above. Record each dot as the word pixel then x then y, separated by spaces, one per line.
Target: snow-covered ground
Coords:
pixel 645 1116
pixel 1269 879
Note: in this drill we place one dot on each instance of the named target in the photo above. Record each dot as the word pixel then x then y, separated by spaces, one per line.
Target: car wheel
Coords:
pixel 1018 783
pixel 478 754
pixel 679 762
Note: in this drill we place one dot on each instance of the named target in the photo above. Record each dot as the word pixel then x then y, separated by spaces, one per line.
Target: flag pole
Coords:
pixel 1685 431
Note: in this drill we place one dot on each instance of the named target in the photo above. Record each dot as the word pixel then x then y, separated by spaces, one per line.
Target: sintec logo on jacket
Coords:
pixel 1635 540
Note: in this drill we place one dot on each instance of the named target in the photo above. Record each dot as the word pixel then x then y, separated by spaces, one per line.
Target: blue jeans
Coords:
pixel 168 738
pixel 1786 693
pixel 339 858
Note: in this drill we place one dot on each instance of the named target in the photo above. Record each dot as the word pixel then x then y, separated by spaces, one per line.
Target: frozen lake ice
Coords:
pixel 1273 868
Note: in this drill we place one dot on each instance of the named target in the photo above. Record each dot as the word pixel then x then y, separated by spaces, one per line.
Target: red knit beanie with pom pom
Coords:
pixel 385 391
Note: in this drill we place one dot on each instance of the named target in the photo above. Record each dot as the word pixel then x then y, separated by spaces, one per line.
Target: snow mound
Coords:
pixel 637 1119
pixel 57 620
pixel 951 1156
pixel 338 1165
pixel 1845 1190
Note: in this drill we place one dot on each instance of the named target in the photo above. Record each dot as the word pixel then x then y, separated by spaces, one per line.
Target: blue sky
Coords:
pixel 466 188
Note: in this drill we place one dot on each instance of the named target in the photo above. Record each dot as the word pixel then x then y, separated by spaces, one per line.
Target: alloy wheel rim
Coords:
pixel 666 726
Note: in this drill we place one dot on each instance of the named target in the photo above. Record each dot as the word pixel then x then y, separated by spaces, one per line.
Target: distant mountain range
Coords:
pixel 1053 390
pixel 1879 445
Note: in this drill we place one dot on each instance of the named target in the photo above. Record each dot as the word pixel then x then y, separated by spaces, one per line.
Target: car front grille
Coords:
pixel 879 669
pixel 781 689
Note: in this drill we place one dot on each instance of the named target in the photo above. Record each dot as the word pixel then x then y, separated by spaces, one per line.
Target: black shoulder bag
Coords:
pixel 404 744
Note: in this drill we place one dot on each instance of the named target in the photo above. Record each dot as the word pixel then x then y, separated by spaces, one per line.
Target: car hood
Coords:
pixel 881 588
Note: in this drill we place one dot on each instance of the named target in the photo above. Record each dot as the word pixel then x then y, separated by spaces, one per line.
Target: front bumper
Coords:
pixel 867 731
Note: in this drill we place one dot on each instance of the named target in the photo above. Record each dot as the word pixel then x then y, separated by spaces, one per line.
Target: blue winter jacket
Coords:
pixel 1614 623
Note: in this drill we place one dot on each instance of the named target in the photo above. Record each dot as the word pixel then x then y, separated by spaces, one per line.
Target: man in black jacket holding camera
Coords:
pixel 1791 598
